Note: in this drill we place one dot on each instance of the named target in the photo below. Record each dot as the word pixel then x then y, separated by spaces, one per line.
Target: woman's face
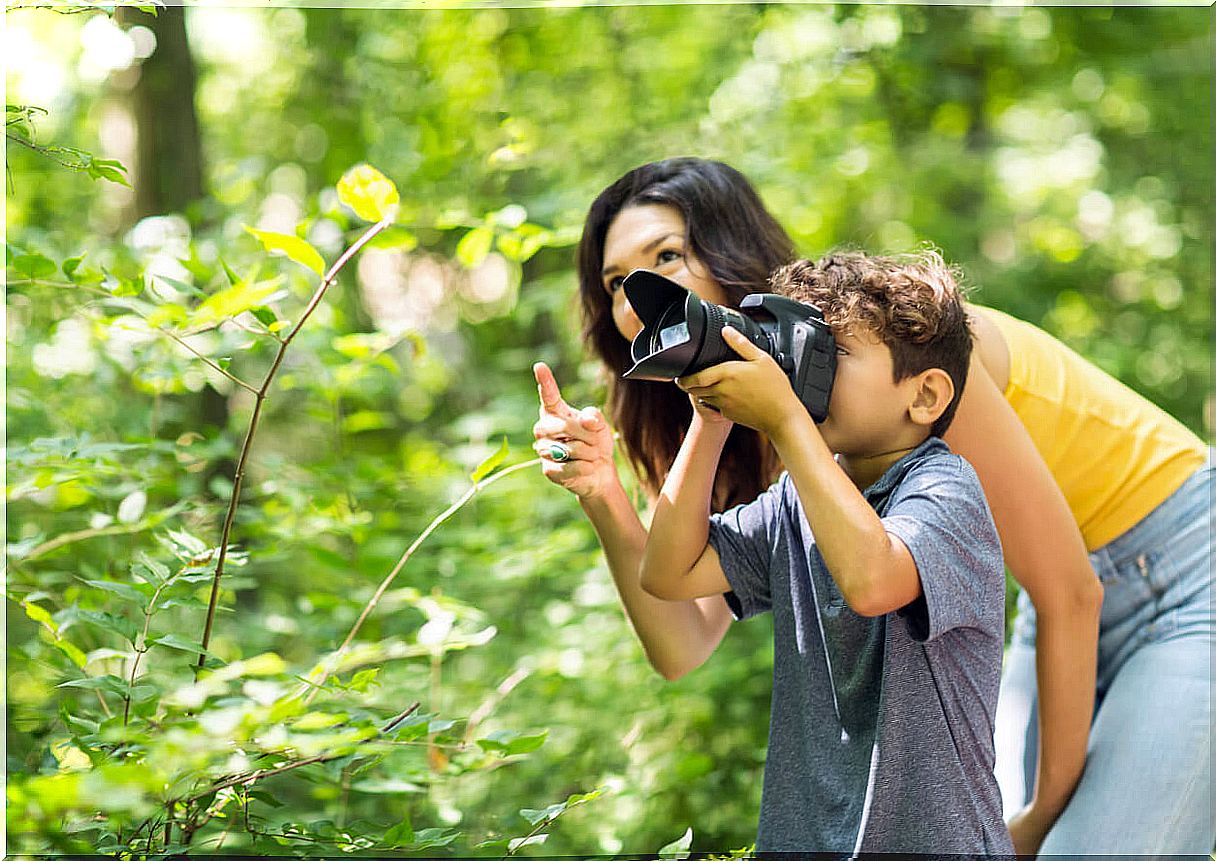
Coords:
pixel 651 236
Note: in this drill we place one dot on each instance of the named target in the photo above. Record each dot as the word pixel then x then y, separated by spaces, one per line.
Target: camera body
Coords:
pixel 682 334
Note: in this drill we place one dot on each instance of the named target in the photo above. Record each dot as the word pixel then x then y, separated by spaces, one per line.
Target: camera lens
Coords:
pixel 671 329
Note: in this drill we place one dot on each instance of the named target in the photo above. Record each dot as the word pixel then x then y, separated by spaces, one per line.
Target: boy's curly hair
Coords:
pixel 913 303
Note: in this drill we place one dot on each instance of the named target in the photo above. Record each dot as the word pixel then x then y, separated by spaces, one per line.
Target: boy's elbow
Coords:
pixel 866 596
pixel 672 672
pixel 865 602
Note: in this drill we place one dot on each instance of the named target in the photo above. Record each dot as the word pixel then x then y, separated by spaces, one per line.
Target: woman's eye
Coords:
pixel 615 284
pixel 669 254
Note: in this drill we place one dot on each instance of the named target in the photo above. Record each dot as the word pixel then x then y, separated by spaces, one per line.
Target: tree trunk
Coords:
pixel 168 170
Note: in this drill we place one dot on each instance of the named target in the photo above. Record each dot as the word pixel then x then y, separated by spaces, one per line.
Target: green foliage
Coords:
pixel 1055 154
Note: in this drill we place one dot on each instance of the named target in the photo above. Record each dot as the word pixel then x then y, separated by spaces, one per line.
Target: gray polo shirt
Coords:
pixel 881 732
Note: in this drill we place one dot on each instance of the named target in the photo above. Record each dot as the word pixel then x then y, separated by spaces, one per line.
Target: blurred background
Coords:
pixel 1060 156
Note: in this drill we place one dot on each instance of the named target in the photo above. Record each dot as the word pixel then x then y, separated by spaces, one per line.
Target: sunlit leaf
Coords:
pixel 491 463
pixel 293 247
pixel 369 193
pixel 41 616
pixel 474 246
pixel 518 843
pixel 235 300
pixel 679 848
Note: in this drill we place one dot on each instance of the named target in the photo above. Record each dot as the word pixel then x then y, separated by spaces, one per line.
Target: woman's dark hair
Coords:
pixel 735 237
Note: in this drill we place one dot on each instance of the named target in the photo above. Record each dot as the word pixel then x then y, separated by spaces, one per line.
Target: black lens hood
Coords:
pixel 657 300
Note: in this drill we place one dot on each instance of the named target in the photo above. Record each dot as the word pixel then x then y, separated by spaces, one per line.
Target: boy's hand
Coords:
pixel 753 392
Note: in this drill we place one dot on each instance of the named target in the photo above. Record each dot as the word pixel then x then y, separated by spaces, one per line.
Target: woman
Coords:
pixel 1081 475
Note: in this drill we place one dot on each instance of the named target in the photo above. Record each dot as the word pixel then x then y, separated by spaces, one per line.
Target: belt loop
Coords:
pixel 1142 564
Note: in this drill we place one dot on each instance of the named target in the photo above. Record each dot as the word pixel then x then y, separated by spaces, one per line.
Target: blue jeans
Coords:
pixel 1147 785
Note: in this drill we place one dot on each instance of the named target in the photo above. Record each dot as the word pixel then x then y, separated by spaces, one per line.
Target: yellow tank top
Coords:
pixel 1115 455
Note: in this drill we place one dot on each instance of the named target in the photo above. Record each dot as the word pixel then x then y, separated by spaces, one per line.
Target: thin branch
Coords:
pixel 138 313
pixel 49 152
pixel 140 652
pixel 491 702
pixel 332 660
pixel 83 535
pixel 259 774
pixel 260 399
pixel 210 362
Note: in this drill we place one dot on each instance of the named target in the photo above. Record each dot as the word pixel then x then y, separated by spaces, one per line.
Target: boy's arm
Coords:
pixel 678 562
pixel 873 569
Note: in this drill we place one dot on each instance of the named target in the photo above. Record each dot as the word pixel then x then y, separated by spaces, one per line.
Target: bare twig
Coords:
pixel 332 660
pixel 260 399
pixel 209 361
pixel 491 702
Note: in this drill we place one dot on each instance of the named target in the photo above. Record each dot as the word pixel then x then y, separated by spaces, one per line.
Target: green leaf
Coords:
pixel 491 463
pixel 510 744
pixel 87 276
pixel 518 843
pixel 265 316
pixel 173 641
pixel 124 590
pixel 158 569
pixel 293 247
pixel 364 679
pixel 679 848
pixel 74 654
pixel 41 616
pixel 428 838
pixel 369 193
pixel 535 817
pixel 366 420
pixel 393 238
pixel 124 287
pixel 110 683
pixel 234 300
pixel 34 266
pixel 474 246
pixel 319 720
pixel 233 278
pixel 108 168
pixel 181 286
pixel 399 836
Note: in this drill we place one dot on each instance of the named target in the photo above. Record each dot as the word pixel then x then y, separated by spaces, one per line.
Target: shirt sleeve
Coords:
pixel 941 514
pixel 745 537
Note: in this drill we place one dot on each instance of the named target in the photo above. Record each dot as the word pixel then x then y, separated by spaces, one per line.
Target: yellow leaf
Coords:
pixel 368 192
pixel 230 301
pixel 293 247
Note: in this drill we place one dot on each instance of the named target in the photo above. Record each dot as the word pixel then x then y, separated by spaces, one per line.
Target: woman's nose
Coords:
pixel 627 320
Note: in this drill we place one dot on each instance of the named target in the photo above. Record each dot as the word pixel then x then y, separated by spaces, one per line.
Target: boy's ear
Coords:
pixel 932 394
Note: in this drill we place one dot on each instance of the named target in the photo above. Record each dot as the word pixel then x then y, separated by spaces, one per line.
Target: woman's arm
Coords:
pixel 1045 553
pixel 677 636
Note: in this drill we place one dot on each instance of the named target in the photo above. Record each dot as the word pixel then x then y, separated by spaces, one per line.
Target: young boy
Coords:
pixel 881 566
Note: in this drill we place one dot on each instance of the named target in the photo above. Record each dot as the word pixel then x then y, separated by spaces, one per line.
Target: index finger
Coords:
pixel 702 379
pixel 550 395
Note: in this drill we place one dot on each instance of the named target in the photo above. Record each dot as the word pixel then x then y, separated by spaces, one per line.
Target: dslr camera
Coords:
pixel 682 334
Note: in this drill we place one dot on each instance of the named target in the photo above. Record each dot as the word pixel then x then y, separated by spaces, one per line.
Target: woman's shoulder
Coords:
pixel 991 346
